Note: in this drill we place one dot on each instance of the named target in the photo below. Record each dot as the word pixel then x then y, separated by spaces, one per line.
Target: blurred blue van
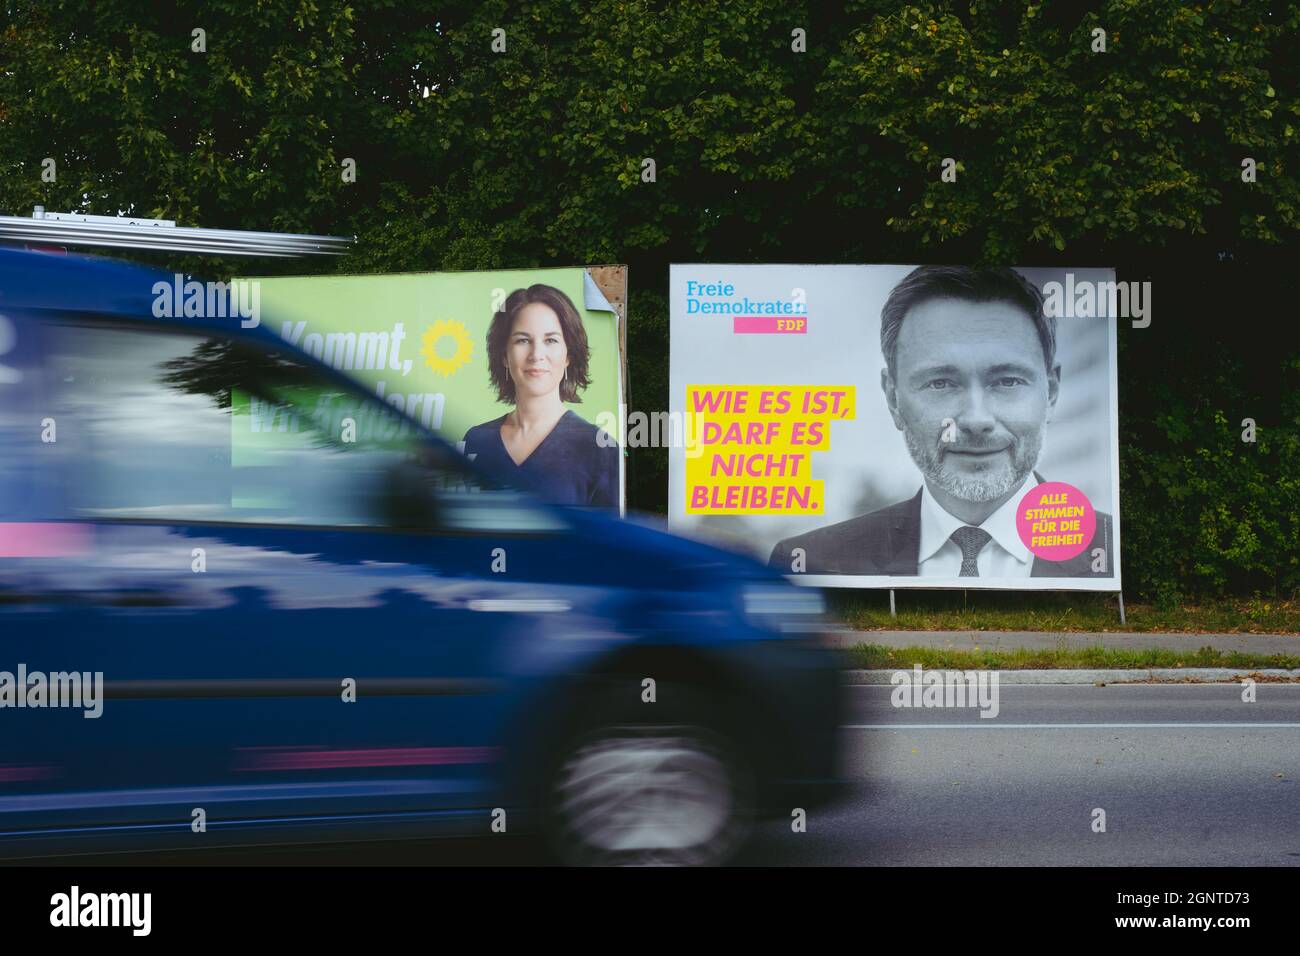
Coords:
pixel 242 600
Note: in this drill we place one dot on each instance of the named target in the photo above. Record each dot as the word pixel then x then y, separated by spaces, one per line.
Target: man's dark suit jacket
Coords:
pixel 887 542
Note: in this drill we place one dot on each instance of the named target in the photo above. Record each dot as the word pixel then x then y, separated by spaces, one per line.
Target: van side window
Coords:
pixel 178 427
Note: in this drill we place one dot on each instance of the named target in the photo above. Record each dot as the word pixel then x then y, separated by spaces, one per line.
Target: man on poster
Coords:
pixel 971 380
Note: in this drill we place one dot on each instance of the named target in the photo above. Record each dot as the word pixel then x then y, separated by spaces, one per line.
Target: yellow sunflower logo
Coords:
pixel 434 335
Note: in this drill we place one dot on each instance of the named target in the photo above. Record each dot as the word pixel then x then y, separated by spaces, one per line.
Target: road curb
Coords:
pixel 1193 675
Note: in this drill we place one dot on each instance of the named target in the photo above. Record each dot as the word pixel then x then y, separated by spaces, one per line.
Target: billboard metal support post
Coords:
pixel 892 611
pixel 1120 595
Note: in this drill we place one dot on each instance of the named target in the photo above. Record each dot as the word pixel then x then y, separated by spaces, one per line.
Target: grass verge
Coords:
pixel 879 657
pixel 1056 611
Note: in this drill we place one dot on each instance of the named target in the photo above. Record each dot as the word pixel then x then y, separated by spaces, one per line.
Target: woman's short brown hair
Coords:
pixel 575 341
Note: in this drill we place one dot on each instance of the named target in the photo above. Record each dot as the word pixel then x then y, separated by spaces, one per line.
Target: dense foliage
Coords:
pixel 468 158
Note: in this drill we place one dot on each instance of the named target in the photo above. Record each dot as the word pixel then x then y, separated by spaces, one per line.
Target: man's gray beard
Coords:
pixel 987 488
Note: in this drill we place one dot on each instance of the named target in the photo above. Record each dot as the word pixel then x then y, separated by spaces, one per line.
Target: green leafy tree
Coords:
pixel 468 158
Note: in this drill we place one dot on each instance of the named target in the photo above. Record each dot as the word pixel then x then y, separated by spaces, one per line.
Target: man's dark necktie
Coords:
pixel 970 540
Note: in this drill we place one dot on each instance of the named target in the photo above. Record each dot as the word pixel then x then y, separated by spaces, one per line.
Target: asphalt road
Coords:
pixel 1188 775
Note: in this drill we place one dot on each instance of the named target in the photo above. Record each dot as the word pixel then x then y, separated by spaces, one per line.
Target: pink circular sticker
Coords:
pixel 1056 521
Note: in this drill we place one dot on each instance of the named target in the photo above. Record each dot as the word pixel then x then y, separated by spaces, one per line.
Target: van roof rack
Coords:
pixel 134 232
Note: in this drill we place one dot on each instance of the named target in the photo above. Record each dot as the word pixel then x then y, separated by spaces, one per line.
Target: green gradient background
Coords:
pixel 365 303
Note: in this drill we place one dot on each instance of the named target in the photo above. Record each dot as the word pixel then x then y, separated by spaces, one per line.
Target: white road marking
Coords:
pixel 995 725
pixel 1106 685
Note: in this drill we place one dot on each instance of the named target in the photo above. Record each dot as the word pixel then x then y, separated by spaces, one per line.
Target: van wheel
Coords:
pixel 650 785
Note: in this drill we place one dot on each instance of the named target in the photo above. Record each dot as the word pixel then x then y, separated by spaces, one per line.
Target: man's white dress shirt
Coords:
pixel 1004 555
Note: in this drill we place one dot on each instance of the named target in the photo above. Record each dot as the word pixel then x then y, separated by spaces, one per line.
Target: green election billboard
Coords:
pixel 513 367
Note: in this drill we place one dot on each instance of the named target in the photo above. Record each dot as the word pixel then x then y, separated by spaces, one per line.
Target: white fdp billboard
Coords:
pixel 895 426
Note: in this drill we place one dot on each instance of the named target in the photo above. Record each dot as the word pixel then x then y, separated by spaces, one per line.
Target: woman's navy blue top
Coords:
pixel 569 467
